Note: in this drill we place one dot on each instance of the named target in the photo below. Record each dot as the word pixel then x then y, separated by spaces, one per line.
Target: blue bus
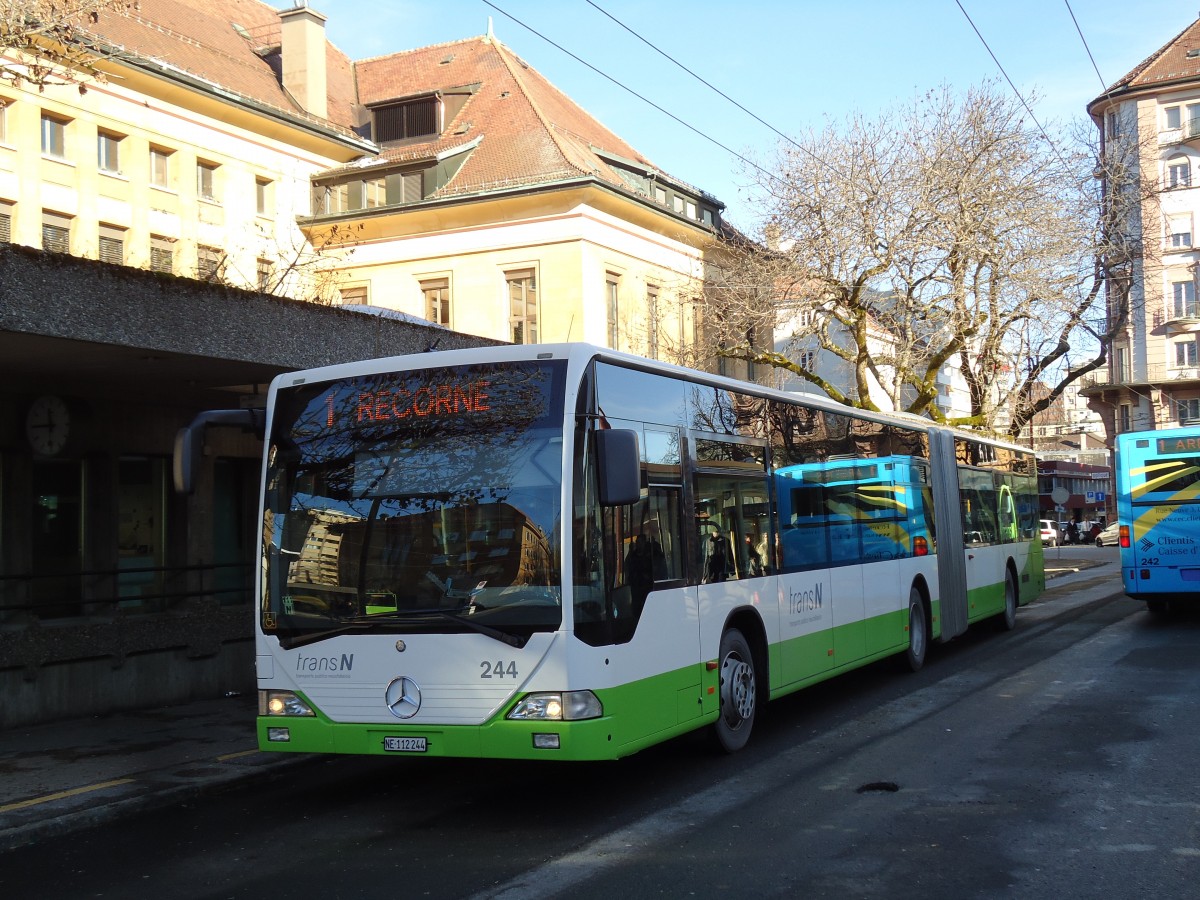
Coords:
pixel 1158 508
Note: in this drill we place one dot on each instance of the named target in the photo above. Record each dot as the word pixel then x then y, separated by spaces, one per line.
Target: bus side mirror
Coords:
pixel 189 441
pixel 620 465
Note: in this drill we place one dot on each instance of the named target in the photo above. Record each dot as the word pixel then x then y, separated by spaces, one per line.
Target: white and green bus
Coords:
pixel 562 552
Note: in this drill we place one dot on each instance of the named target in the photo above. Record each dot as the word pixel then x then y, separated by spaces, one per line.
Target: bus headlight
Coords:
pixel 282 703
pixel 567 706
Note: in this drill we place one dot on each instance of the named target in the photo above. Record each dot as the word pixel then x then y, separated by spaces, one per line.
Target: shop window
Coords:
pixel 141 537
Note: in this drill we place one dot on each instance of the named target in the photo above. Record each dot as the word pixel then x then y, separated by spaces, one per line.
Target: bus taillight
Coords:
pixel 1123 535
pixel 920 546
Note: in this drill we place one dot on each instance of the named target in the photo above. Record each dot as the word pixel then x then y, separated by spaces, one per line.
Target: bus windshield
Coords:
pixel 416 500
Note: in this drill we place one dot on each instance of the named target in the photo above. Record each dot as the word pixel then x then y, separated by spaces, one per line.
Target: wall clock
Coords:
pixel 47 425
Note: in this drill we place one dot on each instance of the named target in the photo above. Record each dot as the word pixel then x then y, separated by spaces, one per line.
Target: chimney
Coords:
pixel 303 50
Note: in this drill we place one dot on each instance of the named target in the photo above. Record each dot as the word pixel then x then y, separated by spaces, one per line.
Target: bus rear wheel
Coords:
pixel 738 692
pixel 918 631
pixel 1007 620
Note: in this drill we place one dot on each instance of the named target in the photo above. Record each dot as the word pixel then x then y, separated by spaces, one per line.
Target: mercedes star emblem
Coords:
pixel 403 697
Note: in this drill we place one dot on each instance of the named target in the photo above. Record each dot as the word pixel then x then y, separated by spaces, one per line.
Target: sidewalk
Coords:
pixel 66 776
pixel 69 775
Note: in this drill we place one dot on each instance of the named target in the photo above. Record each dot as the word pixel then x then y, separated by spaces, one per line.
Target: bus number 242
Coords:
pixel 498 669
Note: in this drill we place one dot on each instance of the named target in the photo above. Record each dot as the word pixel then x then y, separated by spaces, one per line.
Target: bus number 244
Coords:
pixel 498 669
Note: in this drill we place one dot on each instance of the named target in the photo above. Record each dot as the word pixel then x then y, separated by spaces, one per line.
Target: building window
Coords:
pixel 412 186
pixel 56 233
pixel 206 180
pixel 331 198
pixel 162 256
pixel 54 136
pixel 266 275
pixel 1181 238
pixel 374 193
pixel 354 296
pixel 1124 417
pixel 1183 296
pixel 108 152
pixel 1114 125
pixel 112 244
pixel 1121 364
pixel 1179 172
pixel 437 300
pixel 1189 411
pixel 652 320
pixel 160 167
pixel 208 263
pixel 1185 353
pixel 263 195
pixel 413 118
pixel 522 306
pixel 660 196
pixel 6 211
pixel 612 305
pixel 807 359
pixel 141 533
pixel 1173 116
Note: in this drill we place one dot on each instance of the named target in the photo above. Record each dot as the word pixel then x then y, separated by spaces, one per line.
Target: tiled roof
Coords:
pixel 226 43
pixel 1167 64
pixel 529 131
pixel 526 130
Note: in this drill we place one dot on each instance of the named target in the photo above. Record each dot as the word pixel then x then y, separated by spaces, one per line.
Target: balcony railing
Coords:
pixel 1155 374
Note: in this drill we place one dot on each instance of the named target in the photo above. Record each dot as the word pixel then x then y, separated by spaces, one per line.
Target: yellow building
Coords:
pixel 498 207
pixel 452 183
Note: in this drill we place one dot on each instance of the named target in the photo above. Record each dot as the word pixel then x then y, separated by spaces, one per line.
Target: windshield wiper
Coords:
pixel 513 640
pixel 288 642
pixel 364 623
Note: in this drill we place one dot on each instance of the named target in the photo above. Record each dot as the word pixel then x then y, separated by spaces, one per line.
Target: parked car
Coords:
pixel 1049 533
pixel 1110 536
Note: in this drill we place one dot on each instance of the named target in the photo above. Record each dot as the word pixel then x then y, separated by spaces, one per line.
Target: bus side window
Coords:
pixel 653 549
pixel 733 522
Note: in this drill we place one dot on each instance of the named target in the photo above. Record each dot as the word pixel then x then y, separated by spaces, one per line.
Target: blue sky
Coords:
pixel 793 63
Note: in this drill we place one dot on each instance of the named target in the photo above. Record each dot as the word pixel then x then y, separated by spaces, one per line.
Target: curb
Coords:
pixel 141 792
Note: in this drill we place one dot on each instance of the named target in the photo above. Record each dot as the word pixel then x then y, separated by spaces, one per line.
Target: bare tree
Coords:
pixel 47 42
pixel 949 232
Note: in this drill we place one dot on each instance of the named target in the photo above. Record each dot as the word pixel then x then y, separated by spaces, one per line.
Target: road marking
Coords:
pixel 62 794
pixel 236 755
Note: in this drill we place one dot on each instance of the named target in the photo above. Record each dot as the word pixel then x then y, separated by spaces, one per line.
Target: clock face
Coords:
pixel 47 425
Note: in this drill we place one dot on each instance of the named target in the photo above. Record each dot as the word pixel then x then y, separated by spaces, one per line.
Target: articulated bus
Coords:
pixel 562 552
pixel 1158 508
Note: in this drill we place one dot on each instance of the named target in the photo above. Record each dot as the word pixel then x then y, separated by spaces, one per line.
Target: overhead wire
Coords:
pixel 704 82
pixel 1019 95
pixel 641 97
pixel 1079 30
pixel 717 90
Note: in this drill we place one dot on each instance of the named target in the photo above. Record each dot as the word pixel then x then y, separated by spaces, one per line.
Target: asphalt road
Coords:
pixel 1053 761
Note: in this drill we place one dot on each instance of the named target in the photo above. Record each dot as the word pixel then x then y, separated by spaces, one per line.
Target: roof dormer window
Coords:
pixel 409 119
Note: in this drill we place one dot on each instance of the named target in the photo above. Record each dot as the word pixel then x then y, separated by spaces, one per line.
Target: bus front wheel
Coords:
pixel 738 693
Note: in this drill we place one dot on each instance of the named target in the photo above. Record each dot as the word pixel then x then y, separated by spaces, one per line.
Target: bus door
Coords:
pixel 806 599
pixel 731 553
